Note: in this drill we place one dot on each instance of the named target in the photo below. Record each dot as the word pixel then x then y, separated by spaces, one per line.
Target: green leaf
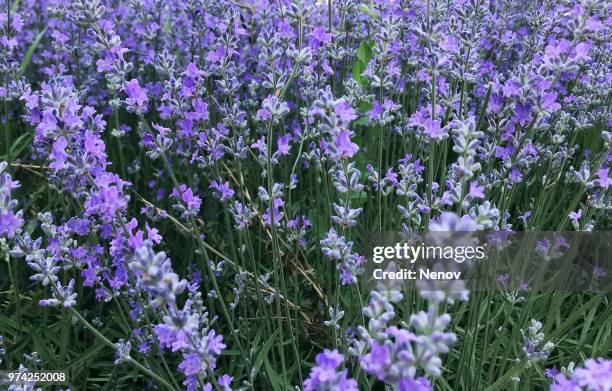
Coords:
pixel 167 26
pixel 358 198
pixel 364 55
pixel 41 347
pixel 587 324
pixel 15 6
pixel 263 353
pixel 364 108
pixel 366 10
pixel 87 356
pixel 275 380
pixel 21 143
pixel 28 56
pixel 356 71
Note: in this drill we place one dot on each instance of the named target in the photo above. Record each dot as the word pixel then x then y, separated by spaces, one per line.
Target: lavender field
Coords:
pixel 188 187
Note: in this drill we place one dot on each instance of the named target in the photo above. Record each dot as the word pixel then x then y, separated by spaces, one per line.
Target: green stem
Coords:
pixel 275 255
pixel 7 129
pixel 16 291
pixel 380 152
pixel 110 344
pixel 202 245
pixel 119 144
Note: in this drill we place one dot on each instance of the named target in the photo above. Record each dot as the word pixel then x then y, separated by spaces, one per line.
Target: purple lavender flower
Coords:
pixel 122 352
pixel 272 109
pixel 596 375
pixel 10 222
pixel 450 222
pixel 191 364
pixel 242 214
pixel 222 190
pixel 534 348
pixel 551 373
pixel 604 179
pixel 344 146
pixel 325 376
pixel 189 205
pixel 412 384
pixel 393 354
pixel 225 382
pixel 575 216
pixel 154 275
pixel 336 248
pixel 107 199
pixel 63 295
pixel 433 130
pixel 137 100
pixel 599 272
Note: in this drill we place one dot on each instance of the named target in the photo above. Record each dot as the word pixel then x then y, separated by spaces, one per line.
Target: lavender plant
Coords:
pixel 187 189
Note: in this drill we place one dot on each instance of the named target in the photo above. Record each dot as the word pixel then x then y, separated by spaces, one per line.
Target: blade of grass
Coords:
pixel 27 58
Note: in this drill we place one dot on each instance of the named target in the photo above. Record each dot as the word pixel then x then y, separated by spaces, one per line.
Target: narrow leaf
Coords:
pixel 28 56
pixel 15 6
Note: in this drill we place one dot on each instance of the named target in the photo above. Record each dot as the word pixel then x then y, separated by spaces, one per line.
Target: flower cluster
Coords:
pixel 11 222
pixel 595 375
pixel 326 376
pixel 396 355
pixel 533 347
pixel 198 177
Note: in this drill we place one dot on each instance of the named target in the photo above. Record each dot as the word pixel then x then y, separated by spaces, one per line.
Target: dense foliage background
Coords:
pixel 185 188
